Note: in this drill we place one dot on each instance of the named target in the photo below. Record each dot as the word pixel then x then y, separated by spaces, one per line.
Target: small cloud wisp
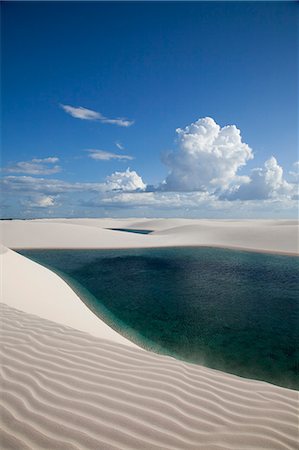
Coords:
pixel 88 114
pixel 36 166
pixel 102 155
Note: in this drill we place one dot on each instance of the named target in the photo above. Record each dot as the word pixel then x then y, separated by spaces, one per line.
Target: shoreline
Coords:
pixel 277 237
pixel 60 302
pixel 241 249
pixel 72 381
pixel 113 320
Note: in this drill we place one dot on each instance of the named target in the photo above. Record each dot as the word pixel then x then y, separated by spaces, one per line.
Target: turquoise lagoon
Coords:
pixel 235 311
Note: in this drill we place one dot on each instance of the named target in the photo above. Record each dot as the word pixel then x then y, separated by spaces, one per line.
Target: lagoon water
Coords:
pixel 132 230
pixel 235 311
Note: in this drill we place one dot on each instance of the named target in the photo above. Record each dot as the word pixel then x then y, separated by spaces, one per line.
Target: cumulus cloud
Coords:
pixel 264 183
pixel 107 156
pixel 161 200
pixel 126 192
pixel 125 181
pixel 203 180
pixel 191 204
pixel 88 114
pixel 39 201
pixel 295 172
pixel 207 159
pixel 36 166
pixel 118 181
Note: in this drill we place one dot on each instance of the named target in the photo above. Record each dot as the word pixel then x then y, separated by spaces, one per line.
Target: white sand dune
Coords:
pixel 262 235
pixel 48 234
pixel 64 389
pixel 68 381
pixel 276 238
pixel 34 289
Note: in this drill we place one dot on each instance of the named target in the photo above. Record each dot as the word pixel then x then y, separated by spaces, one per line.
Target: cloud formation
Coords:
pixel 107 156
pixel 203 181
pixel 119 145
pixel 159 199
pixel 264 183
pixel 88 114
pixel 295 172
pixel 27 185
pixel 40 201
pixel 208 158
pixel 36 166
pixel 128 181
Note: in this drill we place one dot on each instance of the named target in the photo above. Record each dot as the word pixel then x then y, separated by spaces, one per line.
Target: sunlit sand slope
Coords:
pixel 35 289
pixel 65 389
pixel 279 236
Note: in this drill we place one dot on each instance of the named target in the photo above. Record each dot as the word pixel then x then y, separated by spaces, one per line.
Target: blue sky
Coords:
pixel 139 72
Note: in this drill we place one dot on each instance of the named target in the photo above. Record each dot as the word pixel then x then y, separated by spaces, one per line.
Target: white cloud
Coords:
pixel 125 192
pixel 120 121
pixel 125 181
pixel 50 159
pixel 39 201
pixel 106 156
pixel 36 166
pixel 117 181
pixel 203 181
pixel 52 186
pixel 295 173
pixel 45 201
pixel 208 158
pixel 81 113
pixel 88 114
pixel 191 204
pixel 119 145
pixel 264 183
pixel 158 199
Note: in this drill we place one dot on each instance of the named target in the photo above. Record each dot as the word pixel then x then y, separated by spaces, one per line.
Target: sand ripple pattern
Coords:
pixel 64 389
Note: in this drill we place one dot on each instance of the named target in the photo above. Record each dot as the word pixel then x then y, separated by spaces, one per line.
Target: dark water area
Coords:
pixel 131 230
pixel 235 311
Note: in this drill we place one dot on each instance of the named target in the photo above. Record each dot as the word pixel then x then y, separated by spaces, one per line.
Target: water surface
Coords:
pixel 131 230
pixel 235 311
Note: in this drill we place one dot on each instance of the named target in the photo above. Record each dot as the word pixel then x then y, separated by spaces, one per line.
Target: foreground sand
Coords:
pixel 65 389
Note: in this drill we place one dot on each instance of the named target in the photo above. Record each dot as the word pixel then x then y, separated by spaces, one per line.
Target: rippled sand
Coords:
pixel 70 382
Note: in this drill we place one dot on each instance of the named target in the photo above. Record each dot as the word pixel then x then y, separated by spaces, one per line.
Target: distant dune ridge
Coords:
pixel 263 235
pixel 68 381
